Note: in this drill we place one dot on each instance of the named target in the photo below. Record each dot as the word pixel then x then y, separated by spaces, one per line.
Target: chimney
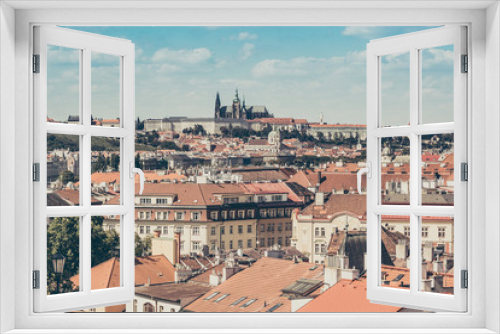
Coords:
pixel 214 278
pixel 319 179
pixel 437 266
pixel 320 199
pixel 427 285
pixel 177 251
pixel 427 252
pixel 438 283
pixel 401 250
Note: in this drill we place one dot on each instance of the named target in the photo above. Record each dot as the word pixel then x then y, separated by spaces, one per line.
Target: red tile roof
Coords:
pixel 263 281
pixel 346 296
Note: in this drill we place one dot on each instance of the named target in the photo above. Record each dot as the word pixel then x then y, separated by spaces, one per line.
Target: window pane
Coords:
pixel 395 89
pixel 437 84
pixel 63 170
pixel 63 255
pixel 105 170
pixel 105 244
pixel 437 169
pixel 63 85
pixel 105 90
pixel 395 252
pixel 437 254
pixel 395 170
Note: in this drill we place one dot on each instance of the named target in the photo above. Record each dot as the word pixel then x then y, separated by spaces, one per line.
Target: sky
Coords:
pixel 295 72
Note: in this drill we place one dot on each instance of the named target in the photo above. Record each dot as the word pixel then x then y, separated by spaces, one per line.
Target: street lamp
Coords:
pixel 58 261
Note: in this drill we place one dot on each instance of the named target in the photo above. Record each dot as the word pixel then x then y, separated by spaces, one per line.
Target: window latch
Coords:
pixel 139 171
pixel 367 170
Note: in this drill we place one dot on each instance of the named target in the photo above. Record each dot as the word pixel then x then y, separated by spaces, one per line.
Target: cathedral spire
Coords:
pixel 217 105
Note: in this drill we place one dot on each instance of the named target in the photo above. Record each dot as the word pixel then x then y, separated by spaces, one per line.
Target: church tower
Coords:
pixel 236 106
pixel 217 106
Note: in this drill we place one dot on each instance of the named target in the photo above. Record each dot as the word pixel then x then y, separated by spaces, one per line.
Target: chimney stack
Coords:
pixel 427 253
pixel 438 283
pixel 437 266
pixel 177 252
pixel 401 250
pixel 157 233
pixel 320 199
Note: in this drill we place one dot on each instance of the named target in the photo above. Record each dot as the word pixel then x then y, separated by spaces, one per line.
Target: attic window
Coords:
pixel 275 307
pixel 212 295
pixel 221 298
pixel 248 303
pixel 238 301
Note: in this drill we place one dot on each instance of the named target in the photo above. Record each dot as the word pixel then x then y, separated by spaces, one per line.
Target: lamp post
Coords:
pixel 58 261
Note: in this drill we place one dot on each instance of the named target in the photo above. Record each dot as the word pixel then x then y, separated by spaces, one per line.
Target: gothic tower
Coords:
pixel 236 106
pixel 217 106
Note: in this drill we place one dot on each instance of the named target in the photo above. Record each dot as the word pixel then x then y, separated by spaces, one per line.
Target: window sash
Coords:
pixel 403 43
pixel 86 43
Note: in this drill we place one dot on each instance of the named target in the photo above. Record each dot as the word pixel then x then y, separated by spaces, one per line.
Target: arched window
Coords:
pixel 135 305
pixel 148 308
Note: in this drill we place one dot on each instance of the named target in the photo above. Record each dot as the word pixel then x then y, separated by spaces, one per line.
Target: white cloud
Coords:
pixel 245 36
pixel 247 50
pixel 300 66
pixel 194 56
pixel 365 32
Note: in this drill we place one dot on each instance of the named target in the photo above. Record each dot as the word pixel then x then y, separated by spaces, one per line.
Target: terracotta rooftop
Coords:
pixel 183 293
pixel 262 282
pixel 338 204
pixel 346 296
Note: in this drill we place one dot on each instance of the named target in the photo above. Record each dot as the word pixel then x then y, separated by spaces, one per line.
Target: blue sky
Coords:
pixel 294 71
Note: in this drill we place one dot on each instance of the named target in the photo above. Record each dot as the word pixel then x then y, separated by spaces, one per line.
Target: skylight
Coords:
pixel 221 298
pixel 212 295
pixel 238 301
pixel 272 309
pixel 248 303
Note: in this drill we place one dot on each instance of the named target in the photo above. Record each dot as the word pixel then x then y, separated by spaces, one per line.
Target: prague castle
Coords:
pixel 235 115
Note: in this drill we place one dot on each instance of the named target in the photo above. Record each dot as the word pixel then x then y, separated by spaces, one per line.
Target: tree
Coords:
pixel 137 161
pixel 139 125
pixel 63 236
pixel 142 246
pixel 224 131
pixel 66 176
pixel 199 130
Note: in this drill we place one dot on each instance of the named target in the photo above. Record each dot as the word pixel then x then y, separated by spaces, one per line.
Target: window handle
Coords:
pixel 362 171
pixel 139 171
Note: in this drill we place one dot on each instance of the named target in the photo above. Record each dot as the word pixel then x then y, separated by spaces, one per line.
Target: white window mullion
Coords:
pixel 415 167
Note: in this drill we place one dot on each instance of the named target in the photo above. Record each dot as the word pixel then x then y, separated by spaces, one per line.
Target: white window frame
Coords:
pixel 86 43
pixel 412 43
pixel 483 100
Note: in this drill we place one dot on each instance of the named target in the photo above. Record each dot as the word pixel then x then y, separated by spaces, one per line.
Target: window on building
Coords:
pixel 148 229
pixel 144 201
pixel 230 244
pixel 179 229
pixel 262 227
pixel 288 241
pixel 241 214
pixel 196 245
pixel 165 230
pixel 272 213
pixel 323 232
pixel 425 231
pixel 148 308
pixel 240 229
pixel 223 245
pixel 161 201
pixel 316 231
pixel 249 243
pixel 288 212
pixel 407 231
pixel 212 230
pixel 179 215
pixel 222 230
pixel 196 230
pixel 249 228
pixel 195 216
pixel 280 227
pixel 223 215
pixel 280 241
pixel 261 199
pixel 231 229
pixel 232 214
pixel 263 213
pixel 240 244
pixel 262 242
pixel 212 245
pixel 277 198
pixel 441 232
pixel 213 215
pixel 141 229
pixel 148 215
pixel 281 212
pixel 251 214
